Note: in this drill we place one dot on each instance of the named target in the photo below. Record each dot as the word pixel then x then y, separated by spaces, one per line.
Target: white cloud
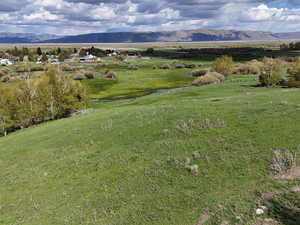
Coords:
pixel 83 16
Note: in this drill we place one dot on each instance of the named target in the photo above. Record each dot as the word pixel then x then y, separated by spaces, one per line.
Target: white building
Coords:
pixel 6 62
pixel 88 58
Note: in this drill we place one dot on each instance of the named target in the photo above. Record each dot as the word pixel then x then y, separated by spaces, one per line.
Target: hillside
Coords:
pixel 123 162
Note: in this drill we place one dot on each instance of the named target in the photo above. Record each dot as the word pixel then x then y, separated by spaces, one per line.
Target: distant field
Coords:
pixel 132 46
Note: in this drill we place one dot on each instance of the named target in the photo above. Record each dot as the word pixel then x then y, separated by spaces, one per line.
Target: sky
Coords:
pixel 71 17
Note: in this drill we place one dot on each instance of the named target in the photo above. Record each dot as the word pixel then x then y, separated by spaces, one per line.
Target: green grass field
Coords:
pixel 135 83
pixel 123 162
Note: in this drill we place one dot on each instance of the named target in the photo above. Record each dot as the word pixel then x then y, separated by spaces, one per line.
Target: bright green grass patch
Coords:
pixel 122 164
pixel 136 83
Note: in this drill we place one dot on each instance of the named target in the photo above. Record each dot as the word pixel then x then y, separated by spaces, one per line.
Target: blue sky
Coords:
pixel 67 17
pixel 284 4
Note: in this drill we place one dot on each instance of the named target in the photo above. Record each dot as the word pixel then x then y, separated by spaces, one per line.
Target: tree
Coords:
pixel 44 58
pixel 39 51
pixel 33 101
pixel 150 51
pixel 62 57
pixel 58 51
pixel 82 52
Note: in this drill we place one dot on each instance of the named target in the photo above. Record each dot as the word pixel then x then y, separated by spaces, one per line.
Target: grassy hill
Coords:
pixel 123 162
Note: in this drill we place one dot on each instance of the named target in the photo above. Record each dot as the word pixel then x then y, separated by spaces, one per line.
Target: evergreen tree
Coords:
pixel 39 51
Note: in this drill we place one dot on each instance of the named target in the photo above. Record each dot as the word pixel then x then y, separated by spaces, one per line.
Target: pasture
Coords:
pixel 194 156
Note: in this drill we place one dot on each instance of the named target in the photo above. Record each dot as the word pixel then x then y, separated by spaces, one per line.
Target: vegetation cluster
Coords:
pixel 32 101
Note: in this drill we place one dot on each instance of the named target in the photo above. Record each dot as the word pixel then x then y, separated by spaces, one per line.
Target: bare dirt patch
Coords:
pixel 203 219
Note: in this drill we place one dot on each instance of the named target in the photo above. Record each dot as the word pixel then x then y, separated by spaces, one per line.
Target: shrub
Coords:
pixel 165 67
pixel 79 76
pixel 5 78
pixel 205 80
pixel 209 78
pixel 37 69
pixel 219 76
pixel 199 73
pixel 294 75
pixel 68 68
pixel 271 72
pixel 224 65
pixel 110 74
pixel 180 66
pixel 3 72
pixel 89 75
pixel 190 66
pixel 248 68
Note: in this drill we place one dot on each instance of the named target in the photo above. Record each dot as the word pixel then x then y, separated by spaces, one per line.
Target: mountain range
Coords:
pixel 133 37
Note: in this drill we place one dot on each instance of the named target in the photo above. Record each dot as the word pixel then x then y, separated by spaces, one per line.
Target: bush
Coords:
pixel 199 73
pixel 33 101
pixel 68 68
pixel 37 69
pixel 79 76
pixel 251 67
pixel 217 75
pixel 89 75
pixel 209 78
pixel 5 78
pixel 4 72
pixel 190 66
pixel 180 66
pixel 110 74
pixel 224 65
pixel 271 72
pixel 165 67
pixel 294 75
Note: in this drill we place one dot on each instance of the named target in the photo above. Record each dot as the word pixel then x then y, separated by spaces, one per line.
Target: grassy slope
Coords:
pixel 122 163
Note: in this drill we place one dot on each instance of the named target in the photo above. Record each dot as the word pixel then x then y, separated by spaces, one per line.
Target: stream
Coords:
pixel 157 91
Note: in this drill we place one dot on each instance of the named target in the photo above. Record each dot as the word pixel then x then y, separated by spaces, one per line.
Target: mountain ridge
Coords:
pixel 138 37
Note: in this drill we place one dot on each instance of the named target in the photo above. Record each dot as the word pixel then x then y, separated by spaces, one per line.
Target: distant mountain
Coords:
pixel 172 36
pixel 134 37
pixel 25 37
pixel 290 35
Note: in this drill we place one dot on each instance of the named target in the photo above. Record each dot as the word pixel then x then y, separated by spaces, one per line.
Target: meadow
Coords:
pixel 199 155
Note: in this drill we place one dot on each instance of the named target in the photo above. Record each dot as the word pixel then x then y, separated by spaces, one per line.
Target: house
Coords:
pixel 88 59
pixel 6 62
pixel 54 61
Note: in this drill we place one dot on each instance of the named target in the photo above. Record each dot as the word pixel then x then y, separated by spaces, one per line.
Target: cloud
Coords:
pixel 83 16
